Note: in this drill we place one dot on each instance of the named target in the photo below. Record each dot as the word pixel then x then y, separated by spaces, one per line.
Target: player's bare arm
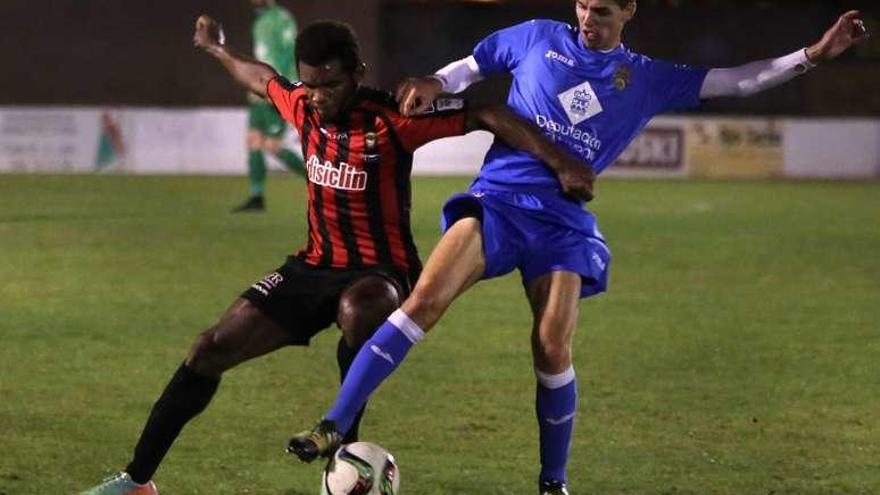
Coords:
pixel 848 31
pixel 746 80
pixel 575 176
pixel 249 72
pixel 416 94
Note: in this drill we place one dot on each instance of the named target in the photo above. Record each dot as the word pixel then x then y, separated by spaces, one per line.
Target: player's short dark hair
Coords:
pixel 624 3
pixel 323 41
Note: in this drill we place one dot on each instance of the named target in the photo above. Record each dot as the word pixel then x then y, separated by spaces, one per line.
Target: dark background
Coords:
pixel 139 53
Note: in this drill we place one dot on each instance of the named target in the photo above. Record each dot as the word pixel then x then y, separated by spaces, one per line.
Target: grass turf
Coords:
pixel 736 352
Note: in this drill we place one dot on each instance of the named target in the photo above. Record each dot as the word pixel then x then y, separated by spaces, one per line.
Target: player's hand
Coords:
pixel 577 181
pixel 209 33
pixel 416 94
pixel 849 30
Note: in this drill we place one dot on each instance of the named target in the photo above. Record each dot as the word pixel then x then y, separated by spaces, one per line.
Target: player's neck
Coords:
pixel 611 47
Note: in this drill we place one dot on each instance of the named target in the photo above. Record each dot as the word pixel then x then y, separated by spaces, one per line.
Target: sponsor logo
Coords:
pixel 268 283
pixel 111 143
pixel 559 58
pixel 580 103
pixel 382 354
pixel 335 136
pixel 562 420
pixel 585 143
pixel 343 177
pixel 655 148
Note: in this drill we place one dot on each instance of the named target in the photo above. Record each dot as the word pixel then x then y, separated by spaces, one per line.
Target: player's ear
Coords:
pixel 630 10
pixel 359 72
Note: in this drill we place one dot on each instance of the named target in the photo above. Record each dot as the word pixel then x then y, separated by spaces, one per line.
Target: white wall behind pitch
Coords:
pixel 829 148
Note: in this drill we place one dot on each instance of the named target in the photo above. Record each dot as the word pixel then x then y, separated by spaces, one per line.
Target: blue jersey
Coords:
pixel 592 103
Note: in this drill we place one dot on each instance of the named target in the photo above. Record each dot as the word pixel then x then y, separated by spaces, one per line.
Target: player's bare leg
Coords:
pixel 242 333
pixel 363 306
pixel 456 264
pixel 554 300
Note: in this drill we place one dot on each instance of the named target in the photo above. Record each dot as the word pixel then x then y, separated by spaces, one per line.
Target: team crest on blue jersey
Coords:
pixel 580 103
pixel 621 77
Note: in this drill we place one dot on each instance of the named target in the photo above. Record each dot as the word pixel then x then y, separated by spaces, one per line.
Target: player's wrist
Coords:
pixel 813 55
pixel 216 50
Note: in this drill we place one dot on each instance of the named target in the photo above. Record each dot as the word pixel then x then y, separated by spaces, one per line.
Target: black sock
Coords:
pixel 185 396
pixel 344 357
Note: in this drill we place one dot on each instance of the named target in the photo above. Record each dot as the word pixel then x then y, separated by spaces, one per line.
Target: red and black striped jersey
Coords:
pixel 358 175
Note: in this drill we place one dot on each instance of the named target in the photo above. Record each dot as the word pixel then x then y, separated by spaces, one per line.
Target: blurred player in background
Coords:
pixel 360 260
pixel 592 96
pixel 274 34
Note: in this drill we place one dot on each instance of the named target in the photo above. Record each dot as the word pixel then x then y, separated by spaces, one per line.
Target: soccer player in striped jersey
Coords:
pixel 360 259
pixel 592 96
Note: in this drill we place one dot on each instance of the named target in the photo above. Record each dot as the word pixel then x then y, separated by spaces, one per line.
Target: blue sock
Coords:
pixel 377 359
pixel 555 405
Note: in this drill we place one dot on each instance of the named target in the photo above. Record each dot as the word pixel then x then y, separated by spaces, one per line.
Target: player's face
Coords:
pixel 601 22
pixel 329 87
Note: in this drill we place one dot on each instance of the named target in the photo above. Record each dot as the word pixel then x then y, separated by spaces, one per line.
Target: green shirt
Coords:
pixel 274 34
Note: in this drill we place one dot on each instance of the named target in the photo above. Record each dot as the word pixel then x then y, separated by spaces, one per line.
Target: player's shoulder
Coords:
pixel 379 101
pixel 546 26
pixel 646 62
pixel 376 100
pixel 286 83
pixel 636 59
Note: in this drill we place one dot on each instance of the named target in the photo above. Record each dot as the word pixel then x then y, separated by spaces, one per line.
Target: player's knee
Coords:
pixel 208 356
pixel 364 306
pixel 273 145
pixel 553 352
pixel 552 346
pixel 254 140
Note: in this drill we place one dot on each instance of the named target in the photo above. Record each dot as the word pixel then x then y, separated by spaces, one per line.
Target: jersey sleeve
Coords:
pixel 446 118
pixel 674 86
pixel 286 97
pixel 502 51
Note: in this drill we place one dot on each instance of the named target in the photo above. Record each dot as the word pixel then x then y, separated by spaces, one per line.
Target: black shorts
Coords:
pixel 304 299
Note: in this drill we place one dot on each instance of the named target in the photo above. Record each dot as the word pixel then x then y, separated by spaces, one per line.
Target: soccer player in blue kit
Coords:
pixel 591 95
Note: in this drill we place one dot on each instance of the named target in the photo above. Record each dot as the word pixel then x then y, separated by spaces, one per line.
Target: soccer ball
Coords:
pixel 361 468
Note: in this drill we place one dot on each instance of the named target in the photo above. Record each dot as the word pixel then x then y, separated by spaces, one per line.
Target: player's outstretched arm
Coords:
pixel 755 77
pixel 575 176
pixel 416 94
pixel 250 73
pixel 849 30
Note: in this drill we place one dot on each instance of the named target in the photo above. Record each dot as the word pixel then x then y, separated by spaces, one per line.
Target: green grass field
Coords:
pixel 736 353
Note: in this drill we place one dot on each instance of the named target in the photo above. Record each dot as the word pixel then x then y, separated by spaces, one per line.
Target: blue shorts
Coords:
pixel 538 234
